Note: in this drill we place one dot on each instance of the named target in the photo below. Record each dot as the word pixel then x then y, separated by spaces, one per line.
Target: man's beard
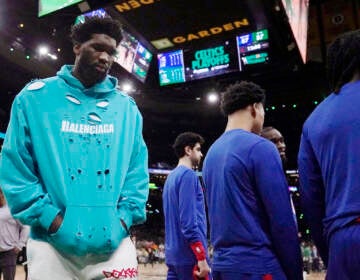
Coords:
pixel 88 71
pixel 196 163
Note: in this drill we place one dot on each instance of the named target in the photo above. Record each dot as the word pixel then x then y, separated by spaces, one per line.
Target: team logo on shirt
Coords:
pixel 67 126
pixel 125 273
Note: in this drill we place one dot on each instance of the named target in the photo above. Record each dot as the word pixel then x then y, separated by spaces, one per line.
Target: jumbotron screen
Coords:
pixel 212 61
pixel 50 6
pixel 233 55
pixel 178 66
pixel 298 13
pixel 171 67
pixel 253 47
pixel 133 57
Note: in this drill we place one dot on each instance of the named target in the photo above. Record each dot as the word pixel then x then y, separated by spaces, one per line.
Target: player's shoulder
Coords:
pixel 260 144
pixel 125 96
pixel 256 140
pixel 188 173
pixel 38 85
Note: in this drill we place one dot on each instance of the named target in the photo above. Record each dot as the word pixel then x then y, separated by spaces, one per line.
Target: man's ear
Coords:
pixel 187 150
pixel 253 110
pixel 76 49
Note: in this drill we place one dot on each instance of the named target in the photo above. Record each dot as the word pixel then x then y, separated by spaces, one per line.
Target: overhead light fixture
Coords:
pixel 43 50
pixel 212 98
pixel 127 87
pixel 52 56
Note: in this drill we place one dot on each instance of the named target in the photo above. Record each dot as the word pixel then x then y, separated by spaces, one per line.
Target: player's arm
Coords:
pixel 312 194
pixel 131 205
pixel 189 223
pixel 24 232
pixel 27 198
pixel 273 190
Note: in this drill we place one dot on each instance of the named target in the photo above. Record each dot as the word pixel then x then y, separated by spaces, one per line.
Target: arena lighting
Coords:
pixel 43 50
pixel 53 57
pixel 212 98
pixel 127 87
pixel 159 171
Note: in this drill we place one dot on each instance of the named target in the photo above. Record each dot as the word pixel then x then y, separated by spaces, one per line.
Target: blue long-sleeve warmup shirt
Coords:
pixel 329 165
pixel 251 222
pixel 185 218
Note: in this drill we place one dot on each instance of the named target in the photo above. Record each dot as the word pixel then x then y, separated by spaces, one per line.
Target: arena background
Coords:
pixel 293 88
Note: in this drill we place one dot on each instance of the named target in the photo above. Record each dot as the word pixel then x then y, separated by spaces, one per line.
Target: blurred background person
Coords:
pixel 329 163
pixel 13 237
pixel 275 136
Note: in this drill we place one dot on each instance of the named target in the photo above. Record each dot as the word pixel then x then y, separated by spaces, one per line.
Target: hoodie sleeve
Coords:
pixel 312 193
pixel 273 190
pixel 135 191
pixel 27 198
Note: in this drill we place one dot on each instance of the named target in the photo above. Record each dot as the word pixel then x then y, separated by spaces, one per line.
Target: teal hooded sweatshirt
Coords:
pixel 78 152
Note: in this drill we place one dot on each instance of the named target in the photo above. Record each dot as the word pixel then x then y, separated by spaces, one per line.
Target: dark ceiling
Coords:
pixel 187 24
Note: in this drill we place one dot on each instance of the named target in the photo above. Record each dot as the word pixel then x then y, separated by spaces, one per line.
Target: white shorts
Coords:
pixel 44 263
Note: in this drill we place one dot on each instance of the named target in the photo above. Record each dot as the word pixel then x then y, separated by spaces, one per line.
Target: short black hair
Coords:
pixel 266 129
pixel 82 32
pixel 186 139
pixel 343 59
pixel 239 95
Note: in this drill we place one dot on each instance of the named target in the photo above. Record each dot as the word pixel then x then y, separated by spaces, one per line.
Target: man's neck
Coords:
pixel 185 161
pixel 86 84
pixel 239 120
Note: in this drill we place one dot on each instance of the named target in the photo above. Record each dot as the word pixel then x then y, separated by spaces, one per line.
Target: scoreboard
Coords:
pixel 219 58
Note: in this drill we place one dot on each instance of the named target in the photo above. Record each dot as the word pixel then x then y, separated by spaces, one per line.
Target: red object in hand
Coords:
pixel 267 277
pixel 196 268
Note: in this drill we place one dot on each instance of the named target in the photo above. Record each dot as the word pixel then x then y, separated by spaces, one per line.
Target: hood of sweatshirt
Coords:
pixel 108 85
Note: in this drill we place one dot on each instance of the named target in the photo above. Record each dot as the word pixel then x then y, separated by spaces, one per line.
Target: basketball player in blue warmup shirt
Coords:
pixel 184 210
pixel 251 222
pixel 329 163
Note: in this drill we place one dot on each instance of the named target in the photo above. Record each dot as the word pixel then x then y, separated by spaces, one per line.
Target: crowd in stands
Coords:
pixel 311 259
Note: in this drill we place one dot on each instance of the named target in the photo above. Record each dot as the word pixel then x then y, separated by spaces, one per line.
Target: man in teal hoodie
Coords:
pixel 74 164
